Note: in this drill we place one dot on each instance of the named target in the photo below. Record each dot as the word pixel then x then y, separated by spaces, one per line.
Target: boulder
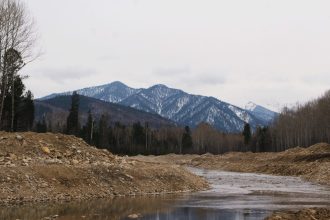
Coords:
pixel 45 150
pixel 19 137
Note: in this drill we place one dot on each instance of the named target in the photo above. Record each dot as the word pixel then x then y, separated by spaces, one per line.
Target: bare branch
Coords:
pixel 16 33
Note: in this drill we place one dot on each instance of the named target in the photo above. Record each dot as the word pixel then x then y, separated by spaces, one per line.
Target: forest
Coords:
pixel 16 42
pixel 302 125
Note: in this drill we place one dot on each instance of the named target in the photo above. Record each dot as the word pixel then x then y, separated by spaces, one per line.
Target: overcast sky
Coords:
pixel 272 52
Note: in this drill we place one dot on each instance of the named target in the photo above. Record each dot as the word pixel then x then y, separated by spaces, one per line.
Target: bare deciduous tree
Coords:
pixel 303 125
pixel 16 34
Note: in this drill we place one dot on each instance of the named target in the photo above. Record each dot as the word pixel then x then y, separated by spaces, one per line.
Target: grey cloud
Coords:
pixel 172 71
pixel 62 75
pixel 211 80
pixel 189 76
pixel 250 57
pixel 108 58
pixel 317 78
pixel 203 80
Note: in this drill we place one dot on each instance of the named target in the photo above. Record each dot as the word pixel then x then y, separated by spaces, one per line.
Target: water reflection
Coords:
pixel 115 209
pixel 234 196
pixel 207 214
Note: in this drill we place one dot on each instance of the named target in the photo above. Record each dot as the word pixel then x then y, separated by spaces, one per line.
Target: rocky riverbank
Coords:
pixel 312 164
pixel 305 214
pixel 56 167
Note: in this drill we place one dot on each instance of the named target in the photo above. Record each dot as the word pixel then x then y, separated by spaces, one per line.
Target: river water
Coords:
pixel 237 196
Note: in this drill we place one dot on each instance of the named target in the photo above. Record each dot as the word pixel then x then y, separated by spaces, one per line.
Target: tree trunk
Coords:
pixel 12 103
pixel 3 94
pixel 91 134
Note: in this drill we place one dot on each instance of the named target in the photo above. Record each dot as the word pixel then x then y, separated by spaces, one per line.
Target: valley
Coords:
pixel 164 110
pixel 56 168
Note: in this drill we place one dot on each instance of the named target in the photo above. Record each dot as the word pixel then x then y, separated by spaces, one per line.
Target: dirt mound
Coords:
pixel 305 214
pixel 311 163
pixel 49 167
pixel 31 148
pixel 319 148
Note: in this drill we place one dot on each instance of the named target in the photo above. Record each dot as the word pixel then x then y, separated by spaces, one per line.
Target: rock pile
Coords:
pixel 57 167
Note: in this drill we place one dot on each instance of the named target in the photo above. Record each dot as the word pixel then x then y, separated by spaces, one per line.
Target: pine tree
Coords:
pixel 25 113
pixel 41 126
pixel 187 142
pixel 22 110
pixel 138 134
pixel 89 128
pixel 247 134
pixel 73 118
pixel 13 63
pixel 147 132
pixel 263 139
pixel 16 41
pixel 103 139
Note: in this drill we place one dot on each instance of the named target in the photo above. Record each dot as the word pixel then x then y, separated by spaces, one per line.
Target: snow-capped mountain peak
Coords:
pixel 181 107
pixel 112 92
pixel 260 112
pixel 250 106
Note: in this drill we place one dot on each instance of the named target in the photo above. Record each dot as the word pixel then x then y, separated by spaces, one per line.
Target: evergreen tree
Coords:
pixel 147 134
pixel 22 110
pixel 263 139
pixel 25 115
pixel 89 128
pixel 13 63
pixel 16 41
pixel 73 118
pixel 138 134
pixel 118 135
pixel 247 134
pixel 187 142
pixel 103 139
pixel 41 126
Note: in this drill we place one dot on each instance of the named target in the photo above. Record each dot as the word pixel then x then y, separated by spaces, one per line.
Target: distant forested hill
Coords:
pixel 55 111
pixel 179 106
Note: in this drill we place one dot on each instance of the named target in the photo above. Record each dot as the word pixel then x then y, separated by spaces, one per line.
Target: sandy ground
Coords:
pixel 55 167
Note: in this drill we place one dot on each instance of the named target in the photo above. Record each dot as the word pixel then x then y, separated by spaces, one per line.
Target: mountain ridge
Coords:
pixel 261 112
pixel 56 110
pixel 179 106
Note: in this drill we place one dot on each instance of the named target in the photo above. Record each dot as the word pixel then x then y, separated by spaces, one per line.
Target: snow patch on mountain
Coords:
pixel 250 106
pixel 181 107
pixel 261 112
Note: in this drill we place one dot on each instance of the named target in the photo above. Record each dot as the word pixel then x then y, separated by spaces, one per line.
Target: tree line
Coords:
pixel 17 40
pixel 302 125
pixel 139 138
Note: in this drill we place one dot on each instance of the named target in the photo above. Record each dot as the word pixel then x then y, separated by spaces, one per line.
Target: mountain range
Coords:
pixel 56 110
pixel 179 106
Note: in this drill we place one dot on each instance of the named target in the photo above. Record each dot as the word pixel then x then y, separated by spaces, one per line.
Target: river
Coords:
pixel 237 196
